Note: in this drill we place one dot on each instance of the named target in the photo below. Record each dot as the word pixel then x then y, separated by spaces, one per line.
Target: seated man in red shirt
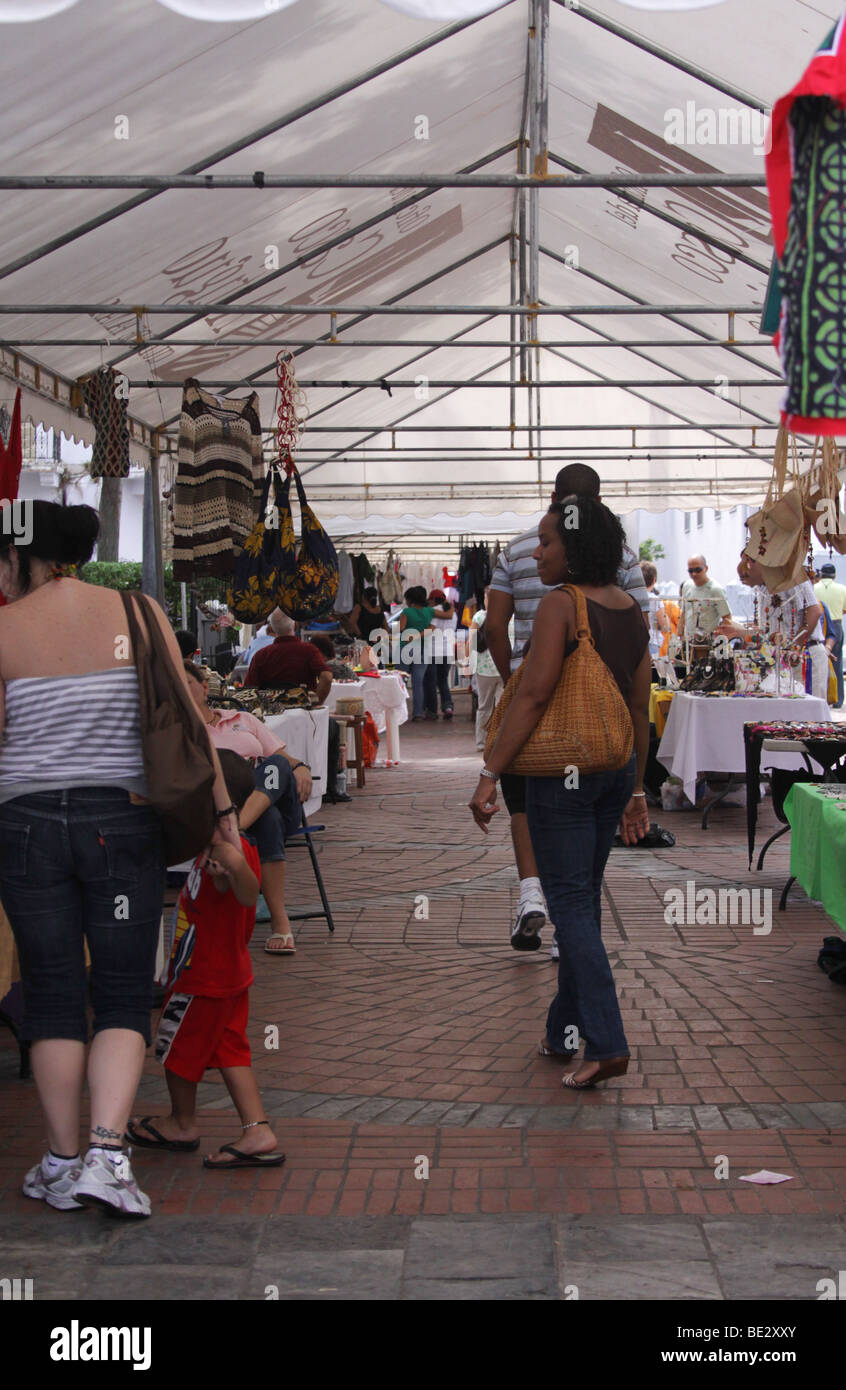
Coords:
pixel 289 661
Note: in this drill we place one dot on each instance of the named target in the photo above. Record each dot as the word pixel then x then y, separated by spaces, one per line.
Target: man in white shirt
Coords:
pixel 515 590
pixel 703 603
pixel 795 616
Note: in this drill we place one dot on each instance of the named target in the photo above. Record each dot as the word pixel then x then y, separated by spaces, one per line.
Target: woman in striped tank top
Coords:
pixel 81 852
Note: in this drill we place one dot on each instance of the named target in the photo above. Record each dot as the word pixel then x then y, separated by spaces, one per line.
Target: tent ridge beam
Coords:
pixel 210 183
pixel 378 310
pixel 409 384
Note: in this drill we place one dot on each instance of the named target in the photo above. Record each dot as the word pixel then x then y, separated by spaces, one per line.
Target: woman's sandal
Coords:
pixel 615 1066
pixel 282 950
pixel 153 1139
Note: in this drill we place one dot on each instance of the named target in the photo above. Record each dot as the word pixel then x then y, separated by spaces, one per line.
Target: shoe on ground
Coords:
pixel 448 713
pixel 554 953
pixel 56 1189
pixel 110 1183
pixel 526 932
pixel 334 797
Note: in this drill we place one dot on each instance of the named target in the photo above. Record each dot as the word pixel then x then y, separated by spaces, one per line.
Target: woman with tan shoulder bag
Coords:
pixel 574 719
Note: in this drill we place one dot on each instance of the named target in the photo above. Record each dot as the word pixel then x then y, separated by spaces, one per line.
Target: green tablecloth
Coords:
pixel 817 817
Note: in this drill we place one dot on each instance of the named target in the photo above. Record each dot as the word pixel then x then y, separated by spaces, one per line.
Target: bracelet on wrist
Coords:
pixel 227 811
pixel 639 794
pixel 492 776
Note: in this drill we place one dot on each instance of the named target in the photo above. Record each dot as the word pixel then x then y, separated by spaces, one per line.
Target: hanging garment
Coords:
pixel 11 461
pixel 107 410
pixel 345 600
pixel 219 482
pixel 11 455
pixel 806 176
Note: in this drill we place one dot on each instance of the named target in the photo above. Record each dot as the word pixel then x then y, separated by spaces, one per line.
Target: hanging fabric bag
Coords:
pixel 778 537
pixel 268 555
pixel 586 724
pixel 308 587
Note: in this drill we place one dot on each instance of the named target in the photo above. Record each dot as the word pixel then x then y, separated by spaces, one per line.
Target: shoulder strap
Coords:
pixel 583 632
pixel 153 659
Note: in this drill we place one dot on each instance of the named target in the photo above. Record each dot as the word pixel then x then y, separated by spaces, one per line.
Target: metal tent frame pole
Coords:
pixel 380 310
pixel 211 183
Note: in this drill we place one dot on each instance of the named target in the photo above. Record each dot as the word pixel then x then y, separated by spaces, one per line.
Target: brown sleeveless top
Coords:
pixel 620 637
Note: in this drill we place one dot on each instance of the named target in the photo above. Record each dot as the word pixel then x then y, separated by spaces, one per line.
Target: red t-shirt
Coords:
pixel 287 661
pixel 213 930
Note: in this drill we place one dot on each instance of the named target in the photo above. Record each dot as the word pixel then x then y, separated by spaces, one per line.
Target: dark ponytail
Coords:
pixel 48 531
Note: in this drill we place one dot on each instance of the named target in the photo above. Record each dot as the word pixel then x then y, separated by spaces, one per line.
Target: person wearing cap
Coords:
pixel 827 591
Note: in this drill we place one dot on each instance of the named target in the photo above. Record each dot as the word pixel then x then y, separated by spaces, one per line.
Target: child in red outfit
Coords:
pixel 203 1022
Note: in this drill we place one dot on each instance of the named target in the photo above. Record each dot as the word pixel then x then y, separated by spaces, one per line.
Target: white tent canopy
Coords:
pixel 353 87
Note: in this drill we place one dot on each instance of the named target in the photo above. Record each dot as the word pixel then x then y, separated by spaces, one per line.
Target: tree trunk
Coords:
pixel 110 500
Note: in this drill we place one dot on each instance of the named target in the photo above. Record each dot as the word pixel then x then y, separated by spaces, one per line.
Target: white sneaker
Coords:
pixel 56 1189
pixel 109 1182
pixel 526 932
pixel 554 953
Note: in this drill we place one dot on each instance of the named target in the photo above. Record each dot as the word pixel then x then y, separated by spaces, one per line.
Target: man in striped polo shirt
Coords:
pixel 516 591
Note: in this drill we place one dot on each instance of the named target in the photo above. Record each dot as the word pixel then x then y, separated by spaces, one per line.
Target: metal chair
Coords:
pixel 307 831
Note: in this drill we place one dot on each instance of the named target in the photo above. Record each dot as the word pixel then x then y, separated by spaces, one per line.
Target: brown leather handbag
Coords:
pixel 586 724
pixel 175 744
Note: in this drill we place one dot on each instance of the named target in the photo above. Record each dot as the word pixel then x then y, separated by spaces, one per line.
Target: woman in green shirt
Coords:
pixel 416 619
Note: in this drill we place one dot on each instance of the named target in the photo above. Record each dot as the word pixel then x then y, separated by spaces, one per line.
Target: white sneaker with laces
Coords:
pixel 108 1181
pixel 530 921
pixel 56 1189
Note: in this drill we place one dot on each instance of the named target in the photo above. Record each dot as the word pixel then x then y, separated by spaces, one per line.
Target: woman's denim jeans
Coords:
pixel 572 830
pixel 84 865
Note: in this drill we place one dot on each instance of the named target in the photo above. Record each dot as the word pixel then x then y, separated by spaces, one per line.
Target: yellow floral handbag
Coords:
pixel 268 556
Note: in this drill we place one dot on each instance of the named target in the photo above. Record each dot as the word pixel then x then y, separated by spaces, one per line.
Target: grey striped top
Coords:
pixel 516 573
pixel 72 731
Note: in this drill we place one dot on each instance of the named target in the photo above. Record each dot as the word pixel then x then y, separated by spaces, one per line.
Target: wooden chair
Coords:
pixel 356 723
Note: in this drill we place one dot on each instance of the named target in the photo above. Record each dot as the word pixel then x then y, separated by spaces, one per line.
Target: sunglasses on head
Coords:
pixel 695 569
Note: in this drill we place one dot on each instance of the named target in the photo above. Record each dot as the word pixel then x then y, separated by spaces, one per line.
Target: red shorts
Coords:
pixel 197 1034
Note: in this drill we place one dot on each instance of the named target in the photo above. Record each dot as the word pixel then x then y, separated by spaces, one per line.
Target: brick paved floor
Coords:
pixel 407 1039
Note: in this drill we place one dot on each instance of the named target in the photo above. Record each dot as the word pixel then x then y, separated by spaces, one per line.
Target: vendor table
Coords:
pixel 823 741
pixel 704 733
pixel 385 697
pixel 305 734
pixel 817 817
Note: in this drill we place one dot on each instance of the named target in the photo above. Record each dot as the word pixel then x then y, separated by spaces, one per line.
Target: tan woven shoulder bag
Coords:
pixel 586 723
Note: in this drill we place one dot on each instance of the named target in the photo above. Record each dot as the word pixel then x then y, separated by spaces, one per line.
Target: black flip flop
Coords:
pixel 158 1141
pixel 243 1160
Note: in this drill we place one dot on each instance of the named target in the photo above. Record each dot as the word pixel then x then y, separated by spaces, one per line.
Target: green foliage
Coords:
pixel 126 574
pixel 651 550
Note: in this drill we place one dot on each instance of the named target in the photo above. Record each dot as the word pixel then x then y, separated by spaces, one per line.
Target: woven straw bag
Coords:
pixel 778 537
pixel 586 724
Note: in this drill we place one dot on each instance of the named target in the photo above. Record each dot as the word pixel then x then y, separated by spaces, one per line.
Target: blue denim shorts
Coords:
pixel 77 866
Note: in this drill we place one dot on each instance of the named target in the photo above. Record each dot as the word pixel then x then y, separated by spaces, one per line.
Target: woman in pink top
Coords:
pixel 273 811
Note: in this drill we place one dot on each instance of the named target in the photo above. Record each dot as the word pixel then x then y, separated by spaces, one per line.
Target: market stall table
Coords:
pixel 305 734
pixel 824 741
pixel 704 733
pixel 385 697
pixel 817 817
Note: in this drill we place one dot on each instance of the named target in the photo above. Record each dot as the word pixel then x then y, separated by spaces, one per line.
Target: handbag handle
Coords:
pixel 583 632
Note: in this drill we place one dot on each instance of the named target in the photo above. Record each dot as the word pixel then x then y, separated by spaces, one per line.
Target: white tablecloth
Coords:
pixel 706 735
pixel 385 697
pixel 305 734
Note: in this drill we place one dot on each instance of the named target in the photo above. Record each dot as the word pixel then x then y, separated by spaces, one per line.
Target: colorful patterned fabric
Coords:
pixel 310 590
pixel 267 556
pixel 107 411
pixel 218 484
pixel 806 175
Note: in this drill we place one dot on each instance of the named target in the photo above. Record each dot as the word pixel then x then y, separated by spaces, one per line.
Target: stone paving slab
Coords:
pixel 404 1038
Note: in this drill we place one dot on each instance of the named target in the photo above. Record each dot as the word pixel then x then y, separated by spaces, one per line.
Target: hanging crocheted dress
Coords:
pixel 220 474
pixel 806 176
